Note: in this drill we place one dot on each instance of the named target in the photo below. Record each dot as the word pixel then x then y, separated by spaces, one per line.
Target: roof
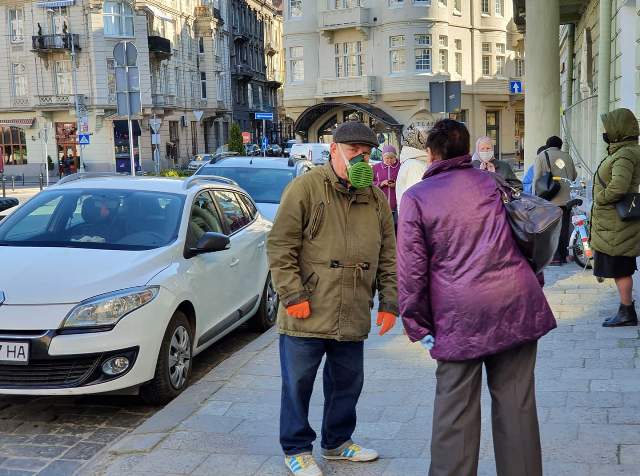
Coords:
pixel 253 162
pixel 125 182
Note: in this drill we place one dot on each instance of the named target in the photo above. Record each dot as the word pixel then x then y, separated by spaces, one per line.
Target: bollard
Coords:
pixel 41 182
pixel 23 180
pixel 13 183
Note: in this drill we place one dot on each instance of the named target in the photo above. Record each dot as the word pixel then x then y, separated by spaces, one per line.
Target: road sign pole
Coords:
pixel 264 134
pixel 74 79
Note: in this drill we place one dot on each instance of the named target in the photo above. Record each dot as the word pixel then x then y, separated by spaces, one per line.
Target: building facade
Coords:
pixel 377 58
pixel 257 66
pixel 57 51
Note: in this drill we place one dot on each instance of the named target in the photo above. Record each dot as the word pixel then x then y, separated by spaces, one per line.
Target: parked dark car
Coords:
pixel 274 150
pixel 252 150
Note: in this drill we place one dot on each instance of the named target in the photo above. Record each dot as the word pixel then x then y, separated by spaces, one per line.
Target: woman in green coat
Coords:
pixel 617 243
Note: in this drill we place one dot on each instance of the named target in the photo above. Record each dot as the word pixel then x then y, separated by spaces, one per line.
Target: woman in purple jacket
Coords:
pixel 469 295
pixel 385 175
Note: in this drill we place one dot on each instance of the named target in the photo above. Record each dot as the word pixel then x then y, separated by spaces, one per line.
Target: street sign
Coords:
pixel 83 122
pixel 155 139
pixel 198 115
pixel 246 137
pixel 445 96
pixel 515 87
pixel 265 142
pixel 127 79
pixel 264 116
pixel 155 124
pixel 84 139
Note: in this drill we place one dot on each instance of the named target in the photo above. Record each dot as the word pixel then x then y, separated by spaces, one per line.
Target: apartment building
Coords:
pixel 257 66
pixel 377 57
pixel 59 57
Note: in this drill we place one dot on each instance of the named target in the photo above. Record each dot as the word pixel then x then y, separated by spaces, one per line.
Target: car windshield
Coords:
pixel 264 185
pixel 95 218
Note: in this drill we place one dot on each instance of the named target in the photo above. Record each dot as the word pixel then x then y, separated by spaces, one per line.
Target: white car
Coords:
pixel 316 152
pixel 112 283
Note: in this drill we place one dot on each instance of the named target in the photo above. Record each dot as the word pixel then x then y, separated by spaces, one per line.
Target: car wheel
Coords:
pixel 267 313
pixel 173 368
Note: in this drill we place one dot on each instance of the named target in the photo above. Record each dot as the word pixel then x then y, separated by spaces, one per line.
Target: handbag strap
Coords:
pixel 546 154
pixel 604 185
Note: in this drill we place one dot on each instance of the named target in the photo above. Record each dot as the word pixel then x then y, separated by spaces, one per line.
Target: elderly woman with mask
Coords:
pixel 484 159
pixel 385 175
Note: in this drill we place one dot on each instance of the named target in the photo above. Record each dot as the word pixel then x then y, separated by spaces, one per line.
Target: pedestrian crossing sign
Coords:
pixel 83 139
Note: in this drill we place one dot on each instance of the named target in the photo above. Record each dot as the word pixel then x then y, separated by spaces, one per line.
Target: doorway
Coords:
pixel 493 130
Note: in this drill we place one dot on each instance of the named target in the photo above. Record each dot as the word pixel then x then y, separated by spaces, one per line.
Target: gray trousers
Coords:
pixel 455 442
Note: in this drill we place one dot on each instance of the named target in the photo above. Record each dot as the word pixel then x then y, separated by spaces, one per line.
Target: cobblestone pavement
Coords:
pixel 57 436
pixel 588 382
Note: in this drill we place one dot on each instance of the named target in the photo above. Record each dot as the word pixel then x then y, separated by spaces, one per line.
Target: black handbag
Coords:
pixel 546 187
pixel 629 207
pixel 536 224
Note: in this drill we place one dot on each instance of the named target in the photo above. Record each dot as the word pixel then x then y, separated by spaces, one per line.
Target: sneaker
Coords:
pixel 351 452
pixel 303 465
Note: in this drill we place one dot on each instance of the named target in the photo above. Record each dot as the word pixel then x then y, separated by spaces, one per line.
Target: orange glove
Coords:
pixel 301 310
pixel 386 320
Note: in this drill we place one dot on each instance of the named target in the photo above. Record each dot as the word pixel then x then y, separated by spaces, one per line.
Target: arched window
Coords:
pixel 118 18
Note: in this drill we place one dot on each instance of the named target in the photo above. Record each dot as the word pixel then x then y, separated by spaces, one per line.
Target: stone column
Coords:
pixel 542 89
pixel 604 71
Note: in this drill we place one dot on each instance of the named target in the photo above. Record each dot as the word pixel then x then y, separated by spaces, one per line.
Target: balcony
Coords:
pixel 163 100
pixel 243 71
pixel 18 102
pixel 57 101
pixel 239 35
pixel 337 87
pixel 159 48
pixel 330 21
pixel 54 43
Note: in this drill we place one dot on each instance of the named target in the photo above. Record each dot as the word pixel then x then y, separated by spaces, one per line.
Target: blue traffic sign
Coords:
pixel 265 142
pixel 264 116
pixel 515 87
pixel 84 139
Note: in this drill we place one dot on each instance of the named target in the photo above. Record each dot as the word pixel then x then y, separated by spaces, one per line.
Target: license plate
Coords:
pixel 16 353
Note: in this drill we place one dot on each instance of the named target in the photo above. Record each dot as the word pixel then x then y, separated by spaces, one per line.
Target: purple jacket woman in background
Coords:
pixel 385 175
pixel 469 295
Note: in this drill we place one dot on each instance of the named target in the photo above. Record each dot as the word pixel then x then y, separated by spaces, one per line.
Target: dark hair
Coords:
pixel 541 149
pixel 448 139
pixel 554 141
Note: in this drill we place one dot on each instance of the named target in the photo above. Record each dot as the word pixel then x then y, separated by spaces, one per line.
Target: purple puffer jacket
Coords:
pixel 461 276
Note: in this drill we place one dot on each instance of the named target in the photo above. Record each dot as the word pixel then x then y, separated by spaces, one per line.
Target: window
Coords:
pixel 396 3
pixel 204 219
pixel 178 78
pixel 423 60
pixel 485 7
pixel 16 25
pixel 340 4
pixel 519 67
pixel 348 59
pixel 500 62
pixel 457 5
pixel 63 78
pixel 444 60
pixel 500 48
pixel 458 45
pixel 426 3
pixel 194 137
pixel 111 79
pixel 486 65
pixel 423 40
pixel 200 45
pixel 397 54
pixel 295 8
pixel 250 94
pixel 296 62
pixel 118 18
pixel 459 63
pixel 19 74
pixel 233 212
pixel 13 144
pixel 486 47
pixel 203 85
pixel 444 41
pixel 499 7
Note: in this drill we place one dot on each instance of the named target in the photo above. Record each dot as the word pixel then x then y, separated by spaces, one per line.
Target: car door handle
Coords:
pixel 261 245
pixel 234 262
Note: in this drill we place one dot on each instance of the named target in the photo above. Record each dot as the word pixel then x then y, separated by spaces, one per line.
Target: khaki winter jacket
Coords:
pixel 332 246
pixel 620 172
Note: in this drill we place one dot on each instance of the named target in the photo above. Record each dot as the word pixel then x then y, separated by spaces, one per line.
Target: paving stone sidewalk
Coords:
pixel 588 387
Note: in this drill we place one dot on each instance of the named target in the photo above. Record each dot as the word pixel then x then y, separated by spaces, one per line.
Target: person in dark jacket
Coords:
pixel 468 294
pixel 617 243
pixel 484 159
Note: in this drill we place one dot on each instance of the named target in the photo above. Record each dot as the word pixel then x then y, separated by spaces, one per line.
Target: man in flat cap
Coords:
pixel 331 246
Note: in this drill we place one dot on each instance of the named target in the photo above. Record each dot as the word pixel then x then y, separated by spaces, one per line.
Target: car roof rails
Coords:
pixel 196 179
pixel 87 175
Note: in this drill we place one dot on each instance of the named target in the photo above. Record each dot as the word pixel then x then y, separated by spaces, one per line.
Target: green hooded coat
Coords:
pixel 620 173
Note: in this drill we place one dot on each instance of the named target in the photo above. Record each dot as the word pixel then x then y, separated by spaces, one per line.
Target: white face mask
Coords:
pixel 486 155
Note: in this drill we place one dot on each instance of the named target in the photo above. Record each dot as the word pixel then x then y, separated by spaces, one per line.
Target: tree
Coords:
pixel 235 140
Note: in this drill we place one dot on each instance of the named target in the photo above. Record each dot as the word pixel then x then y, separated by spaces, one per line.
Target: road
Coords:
pixel 56 436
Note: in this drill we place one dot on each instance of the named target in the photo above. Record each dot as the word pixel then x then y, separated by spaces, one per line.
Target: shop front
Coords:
pixel 122 145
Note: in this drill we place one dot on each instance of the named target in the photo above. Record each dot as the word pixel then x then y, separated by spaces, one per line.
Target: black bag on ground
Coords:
pixel 629 207
pixel 545 186
pixel 536 224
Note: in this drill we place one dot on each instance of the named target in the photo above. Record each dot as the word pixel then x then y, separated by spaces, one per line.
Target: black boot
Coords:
pixel 626 316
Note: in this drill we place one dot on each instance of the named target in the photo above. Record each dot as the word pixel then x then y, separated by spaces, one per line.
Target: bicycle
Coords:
pixel 579 249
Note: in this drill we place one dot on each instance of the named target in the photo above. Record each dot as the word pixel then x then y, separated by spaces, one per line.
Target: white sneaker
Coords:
pixel 303 465
pixel 352 452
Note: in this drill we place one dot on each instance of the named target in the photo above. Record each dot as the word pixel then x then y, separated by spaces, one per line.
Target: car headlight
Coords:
pixel 108 309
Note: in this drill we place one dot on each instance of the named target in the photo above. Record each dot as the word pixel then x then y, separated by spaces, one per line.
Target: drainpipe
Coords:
pixel 604 70
pixel 568 100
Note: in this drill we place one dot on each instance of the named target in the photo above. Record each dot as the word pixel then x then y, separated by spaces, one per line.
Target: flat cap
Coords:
pixel 354 132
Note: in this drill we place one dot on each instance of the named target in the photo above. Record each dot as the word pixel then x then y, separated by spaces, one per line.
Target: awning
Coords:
pixel 17 122
pixel 57 3
pixel 313 113
pixel 158 13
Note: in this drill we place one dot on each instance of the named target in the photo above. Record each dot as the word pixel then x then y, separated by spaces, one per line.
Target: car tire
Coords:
pixel 174 365
pixel 267 313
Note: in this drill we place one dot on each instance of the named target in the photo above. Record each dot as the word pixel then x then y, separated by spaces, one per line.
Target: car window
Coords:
pixel 233 212
pixel 262 184
pixel 249 205
pixel 35 222
pixel 204 218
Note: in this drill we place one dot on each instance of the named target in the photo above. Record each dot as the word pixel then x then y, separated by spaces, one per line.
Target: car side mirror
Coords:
pixel 210 242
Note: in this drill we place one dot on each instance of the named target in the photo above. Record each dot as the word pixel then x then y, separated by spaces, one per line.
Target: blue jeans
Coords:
pixel 343 378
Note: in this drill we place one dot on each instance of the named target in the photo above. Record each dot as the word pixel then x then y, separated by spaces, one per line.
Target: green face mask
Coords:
pixel 359 172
